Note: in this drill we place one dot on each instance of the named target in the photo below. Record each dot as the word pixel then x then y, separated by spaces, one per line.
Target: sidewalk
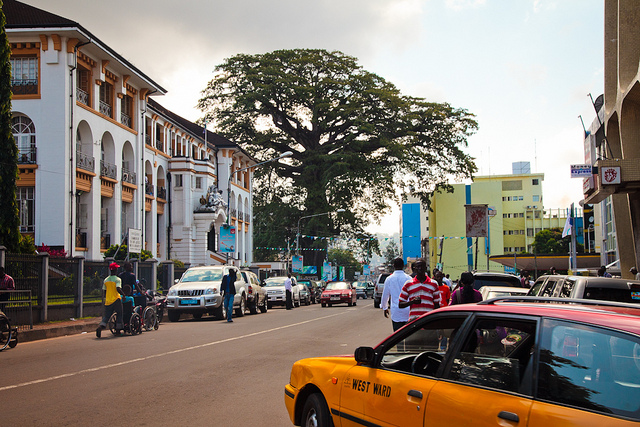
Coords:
pixel 42 331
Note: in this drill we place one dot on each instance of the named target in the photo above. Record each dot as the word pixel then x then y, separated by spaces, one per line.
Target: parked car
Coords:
pixel 338 293
pixel 314 289
pixel 256 295
pixel 198 293
pixel 276 292
pixel 379 287
pixel 489 292
pixel 506 363
pixel 363 290
pixel 587 287
pixel 305 295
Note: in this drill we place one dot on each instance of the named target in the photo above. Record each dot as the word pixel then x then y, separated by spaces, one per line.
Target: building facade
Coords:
pixel 517 214
pixel 99 157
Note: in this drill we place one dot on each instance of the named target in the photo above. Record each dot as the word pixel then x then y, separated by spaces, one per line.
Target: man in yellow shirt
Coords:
pixel 111 291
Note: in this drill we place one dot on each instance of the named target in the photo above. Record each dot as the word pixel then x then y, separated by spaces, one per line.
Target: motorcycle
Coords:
pixel 160 302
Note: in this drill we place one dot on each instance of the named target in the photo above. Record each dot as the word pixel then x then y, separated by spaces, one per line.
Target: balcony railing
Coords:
pixel 82 96
pixel 24 86
pixel 128 176
pixel 125 119
pixel 160 145
pixel 162 193
pixel 233 213
pixel 85 162
pixel 105 109
pixel 108 170
pixel 105 241
pixel 148 188
pixel 27 155
pixel 247 217
pixel 81 239
pixel 147 139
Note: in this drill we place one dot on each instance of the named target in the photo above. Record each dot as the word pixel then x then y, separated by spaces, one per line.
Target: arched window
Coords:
pixel 24 133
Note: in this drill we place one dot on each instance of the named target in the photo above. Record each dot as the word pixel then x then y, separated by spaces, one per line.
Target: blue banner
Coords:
pixel 227 239
pixel 296 263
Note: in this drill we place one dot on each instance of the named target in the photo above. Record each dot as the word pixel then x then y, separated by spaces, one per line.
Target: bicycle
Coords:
pixel 8 334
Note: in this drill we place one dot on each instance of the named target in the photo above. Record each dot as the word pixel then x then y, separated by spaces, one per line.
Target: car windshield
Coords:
pixel 337 286
pixel 360 284
pixel 201 275
pixel 275 281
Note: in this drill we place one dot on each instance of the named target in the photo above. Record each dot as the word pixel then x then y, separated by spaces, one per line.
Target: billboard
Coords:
pixel 477 218
pixel 296 264
pixel 227 238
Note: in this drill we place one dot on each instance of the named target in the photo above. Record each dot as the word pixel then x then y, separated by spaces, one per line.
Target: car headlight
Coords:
pixel 211 291
pixel 172 292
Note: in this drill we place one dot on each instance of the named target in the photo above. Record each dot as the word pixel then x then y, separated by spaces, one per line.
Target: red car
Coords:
pixel 338 293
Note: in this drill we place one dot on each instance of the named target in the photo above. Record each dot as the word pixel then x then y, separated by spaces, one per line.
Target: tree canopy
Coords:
pixel 355 138
pixel 551 242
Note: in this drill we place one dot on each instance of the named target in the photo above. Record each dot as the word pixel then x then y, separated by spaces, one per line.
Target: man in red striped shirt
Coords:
pixel 421 293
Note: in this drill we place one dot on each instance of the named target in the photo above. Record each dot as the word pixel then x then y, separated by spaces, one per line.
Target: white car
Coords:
pixel 489 292
pixel 276 292
pixel 198 292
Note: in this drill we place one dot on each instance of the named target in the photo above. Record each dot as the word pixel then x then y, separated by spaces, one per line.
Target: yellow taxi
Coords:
pixel 511 361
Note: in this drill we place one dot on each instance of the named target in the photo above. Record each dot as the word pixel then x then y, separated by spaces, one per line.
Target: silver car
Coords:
pixel 198 293
pixel 276 292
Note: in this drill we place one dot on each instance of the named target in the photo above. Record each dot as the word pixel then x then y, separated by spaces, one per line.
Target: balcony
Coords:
pixel 148 189
pixel 162 193
pixel 147 139
pixel 105 109
pixel 128 176
pixel 82 96
pixel 27 156
pixel 160 145
pixel 108 170
pixel 85 162
pixel 24 86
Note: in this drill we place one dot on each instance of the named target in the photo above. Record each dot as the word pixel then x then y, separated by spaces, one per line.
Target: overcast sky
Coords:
pixel 523 67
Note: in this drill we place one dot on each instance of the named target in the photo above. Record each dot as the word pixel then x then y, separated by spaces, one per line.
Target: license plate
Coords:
pixel 188 302
pixel 334 298
pixel 635 296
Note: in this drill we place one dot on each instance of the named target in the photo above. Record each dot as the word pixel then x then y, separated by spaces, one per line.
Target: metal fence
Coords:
pixel 60 288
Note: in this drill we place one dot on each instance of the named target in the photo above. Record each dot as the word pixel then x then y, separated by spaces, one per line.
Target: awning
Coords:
pixel 545 262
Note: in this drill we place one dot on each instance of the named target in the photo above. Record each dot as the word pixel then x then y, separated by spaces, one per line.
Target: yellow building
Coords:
pixel 516 214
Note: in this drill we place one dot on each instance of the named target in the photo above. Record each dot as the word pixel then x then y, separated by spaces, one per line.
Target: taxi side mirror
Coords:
pixel 364 355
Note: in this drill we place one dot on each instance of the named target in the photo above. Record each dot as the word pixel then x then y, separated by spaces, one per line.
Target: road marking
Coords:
pixel 153 356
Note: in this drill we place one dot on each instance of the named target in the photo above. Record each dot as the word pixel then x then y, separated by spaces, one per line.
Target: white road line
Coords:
pixel 141 359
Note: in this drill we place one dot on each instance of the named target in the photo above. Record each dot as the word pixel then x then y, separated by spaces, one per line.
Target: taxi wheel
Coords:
pixel 316 412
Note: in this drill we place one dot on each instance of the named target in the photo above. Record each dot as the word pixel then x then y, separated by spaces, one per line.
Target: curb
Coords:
pixel 40 332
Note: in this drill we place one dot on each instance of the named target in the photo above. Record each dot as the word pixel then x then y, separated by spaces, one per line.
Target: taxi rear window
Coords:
pixel 613 294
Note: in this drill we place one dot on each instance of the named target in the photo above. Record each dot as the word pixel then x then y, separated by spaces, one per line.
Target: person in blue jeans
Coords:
pixel 228 288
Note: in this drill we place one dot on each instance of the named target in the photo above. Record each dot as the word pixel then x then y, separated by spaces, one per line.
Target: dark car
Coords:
pixel 338 293
pixel 587 287
pixel 363 289
pixel 314 289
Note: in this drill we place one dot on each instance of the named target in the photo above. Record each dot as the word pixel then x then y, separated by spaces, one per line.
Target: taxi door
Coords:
pixel 372 396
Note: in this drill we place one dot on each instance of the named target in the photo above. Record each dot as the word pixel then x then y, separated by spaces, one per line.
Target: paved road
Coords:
pixel 205 372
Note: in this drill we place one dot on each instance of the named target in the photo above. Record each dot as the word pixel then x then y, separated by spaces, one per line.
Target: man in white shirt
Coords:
pixel 392 288
pixel 447 281
pixel 288 288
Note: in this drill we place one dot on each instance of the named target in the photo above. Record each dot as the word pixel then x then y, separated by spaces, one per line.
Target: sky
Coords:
pixel 524 68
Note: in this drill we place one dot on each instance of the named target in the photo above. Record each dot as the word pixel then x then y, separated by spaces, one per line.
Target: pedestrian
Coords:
pixel 447 281
pixel 6 284
pixel 465 293
pixel 128 278
pixel 288 288
pixel 552 271
pixel 421 293
pixel 634 271
pixel 228 287
pixel 524 279
pixel 111 292
pixel 602 272
pixel 391 294
pixel 445 291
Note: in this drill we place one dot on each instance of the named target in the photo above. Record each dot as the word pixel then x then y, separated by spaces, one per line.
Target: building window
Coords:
pixel 26 206
pixel 536 198
pixel 530 232
pixel 536 214
pixel 178 178
pixel 198 182
pixel 535 181
pixel 24 75
pixel 520 197
pixel 106 99
pixel 83 86
pixel 24 133
pixel 126 111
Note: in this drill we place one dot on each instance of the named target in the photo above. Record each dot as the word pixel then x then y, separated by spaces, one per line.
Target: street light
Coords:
pixel 281 156
pixel 310 216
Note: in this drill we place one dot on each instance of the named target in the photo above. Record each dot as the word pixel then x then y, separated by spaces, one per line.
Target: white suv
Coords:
pixel 198 292
pixel 379 287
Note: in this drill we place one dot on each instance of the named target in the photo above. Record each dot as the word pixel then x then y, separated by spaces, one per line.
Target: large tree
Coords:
pixel 550 241
pixel 9 219
pixel 356 140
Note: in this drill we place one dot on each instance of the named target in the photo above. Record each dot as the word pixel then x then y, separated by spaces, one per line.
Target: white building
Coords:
pixel 98 157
